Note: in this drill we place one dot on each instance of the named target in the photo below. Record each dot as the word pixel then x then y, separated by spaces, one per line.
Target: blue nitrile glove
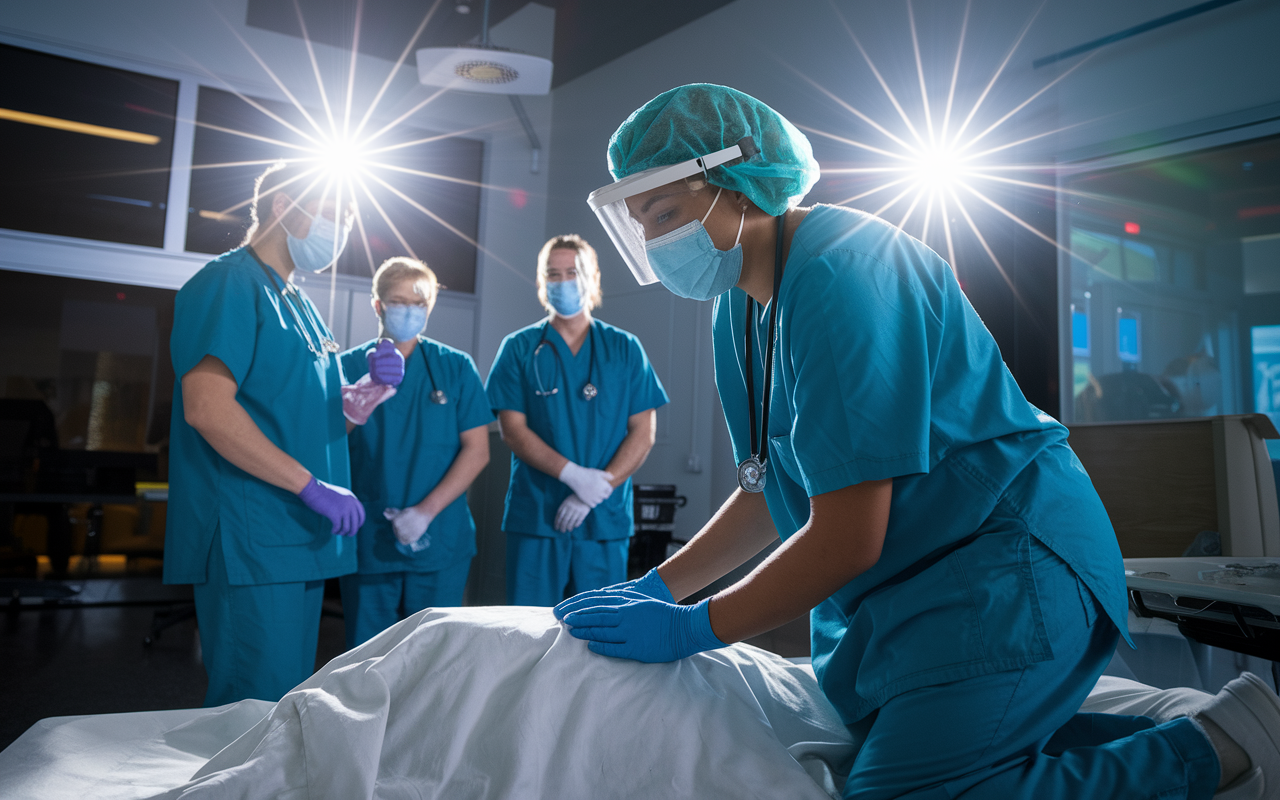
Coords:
pixel 339 505
pixel 649 585
pixel 631 625
pixel 386 364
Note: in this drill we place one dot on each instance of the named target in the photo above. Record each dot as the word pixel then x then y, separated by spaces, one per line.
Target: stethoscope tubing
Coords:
pixel 589 390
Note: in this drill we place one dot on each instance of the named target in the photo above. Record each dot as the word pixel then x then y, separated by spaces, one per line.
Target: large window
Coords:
pixel 96 354
pixel 85 150
pixel 236 137
pixel 1174 278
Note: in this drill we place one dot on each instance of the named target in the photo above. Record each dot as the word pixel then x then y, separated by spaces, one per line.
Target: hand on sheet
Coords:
pixel 591 486
pixel 571 514
pixel 650 585
pixel 359 399
pixel 630 625
pixel 410 526
pixel 386 364
pixel 338 504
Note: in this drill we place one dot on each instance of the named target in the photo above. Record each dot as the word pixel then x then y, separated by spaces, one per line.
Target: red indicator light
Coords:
pixel 120 295
pixel 1132 227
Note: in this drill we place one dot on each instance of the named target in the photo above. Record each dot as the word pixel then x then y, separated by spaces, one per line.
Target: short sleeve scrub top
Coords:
pixel 884 370
pixel 546 386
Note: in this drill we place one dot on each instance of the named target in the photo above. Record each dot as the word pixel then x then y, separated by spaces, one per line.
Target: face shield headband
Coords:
pixel 610 202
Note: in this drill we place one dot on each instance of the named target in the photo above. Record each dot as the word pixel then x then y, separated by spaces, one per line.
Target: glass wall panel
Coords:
pixel 85 150
pixel 95 355
pixel 1174 274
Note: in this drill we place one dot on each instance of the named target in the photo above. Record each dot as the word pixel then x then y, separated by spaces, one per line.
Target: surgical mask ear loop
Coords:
pixel 703 221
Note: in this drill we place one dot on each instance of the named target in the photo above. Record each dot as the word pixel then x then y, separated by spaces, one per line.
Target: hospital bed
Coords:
pixel 486 703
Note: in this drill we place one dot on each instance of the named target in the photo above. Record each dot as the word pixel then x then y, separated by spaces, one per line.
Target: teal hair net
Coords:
pixel 701 118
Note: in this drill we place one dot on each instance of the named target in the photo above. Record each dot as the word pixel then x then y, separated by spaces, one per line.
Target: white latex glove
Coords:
pixel 359 399
pixel 410 526
pixel 591 486
pixel 571 514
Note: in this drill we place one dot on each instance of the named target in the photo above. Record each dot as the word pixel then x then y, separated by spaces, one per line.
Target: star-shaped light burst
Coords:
pixel 931 164
pixel 347 155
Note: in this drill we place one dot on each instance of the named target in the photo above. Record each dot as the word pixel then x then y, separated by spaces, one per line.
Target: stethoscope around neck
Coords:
pixel 288 291
pixel 589 390
pixel 437 394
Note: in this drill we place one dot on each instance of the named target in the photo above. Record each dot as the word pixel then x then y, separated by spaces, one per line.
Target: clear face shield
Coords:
pixel 610 202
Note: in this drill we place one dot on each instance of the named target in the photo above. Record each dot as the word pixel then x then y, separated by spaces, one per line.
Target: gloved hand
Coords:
pixel 631 625
pixel 571 514
pixel 386 364
pixel 650 585
pixel 359 399
pixel 338 504
pixel 591 486
pixel 410 527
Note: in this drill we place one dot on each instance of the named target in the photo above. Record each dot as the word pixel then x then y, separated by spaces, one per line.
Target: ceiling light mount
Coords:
pixel 484 67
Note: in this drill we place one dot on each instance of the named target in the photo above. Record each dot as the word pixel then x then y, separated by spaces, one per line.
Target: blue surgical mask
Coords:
pixel 403 323
pixel 688 263
pixel 565 297
pixel 317 250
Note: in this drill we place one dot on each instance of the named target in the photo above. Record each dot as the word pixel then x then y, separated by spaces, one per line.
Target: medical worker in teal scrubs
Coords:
pixel 260 512
pixel 411 463
pixel 965 583
pixel 576 401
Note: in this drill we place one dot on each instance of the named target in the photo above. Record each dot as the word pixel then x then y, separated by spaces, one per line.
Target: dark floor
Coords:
pixel 67 660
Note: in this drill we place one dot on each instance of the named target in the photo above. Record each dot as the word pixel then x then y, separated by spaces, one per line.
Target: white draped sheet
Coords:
pixel 481 703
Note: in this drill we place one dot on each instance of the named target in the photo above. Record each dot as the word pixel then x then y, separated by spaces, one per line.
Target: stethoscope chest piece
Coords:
pixel 589 391
pixel 439 397
pixel 751 475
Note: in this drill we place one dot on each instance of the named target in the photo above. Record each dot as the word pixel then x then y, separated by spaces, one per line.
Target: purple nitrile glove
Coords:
pixel 338 504
pixel 386 364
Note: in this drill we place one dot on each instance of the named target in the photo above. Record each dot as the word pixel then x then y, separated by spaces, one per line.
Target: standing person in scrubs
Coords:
pixel 259 510
pixel 577 404
pixel 965 583
pixel 411 463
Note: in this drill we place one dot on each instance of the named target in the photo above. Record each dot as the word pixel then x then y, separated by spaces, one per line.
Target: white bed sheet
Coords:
pixel 484 703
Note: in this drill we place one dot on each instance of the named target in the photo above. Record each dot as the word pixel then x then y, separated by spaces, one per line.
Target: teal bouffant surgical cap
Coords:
pixel 701 118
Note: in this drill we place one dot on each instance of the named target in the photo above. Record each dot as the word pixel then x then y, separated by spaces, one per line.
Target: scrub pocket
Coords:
pixel 275 517
pixel 974 612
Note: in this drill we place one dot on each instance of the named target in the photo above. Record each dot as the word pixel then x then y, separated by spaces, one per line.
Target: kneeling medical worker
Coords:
pixel 259 510
pixel 576 400
pixel 411 463
pixel 965 582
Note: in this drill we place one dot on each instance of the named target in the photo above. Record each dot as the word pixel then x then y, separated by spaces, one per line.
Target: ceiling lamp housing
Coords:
pixel 484 69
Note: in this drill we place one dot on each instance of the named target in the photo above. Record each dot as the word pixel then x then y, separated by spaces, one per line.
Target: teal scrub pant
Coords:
pixel 256 641
pixel 373 602
pixel 541 568
pixel 1017 735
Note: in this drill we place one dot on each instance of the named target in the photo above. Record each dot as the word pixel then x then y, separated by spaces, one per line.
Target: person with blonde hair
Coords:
pixel 412 460
pixel 576 400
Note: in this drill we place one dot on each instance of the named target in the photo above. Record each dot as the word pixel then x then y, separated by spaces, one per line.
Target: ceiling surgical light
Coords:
pixel 484 67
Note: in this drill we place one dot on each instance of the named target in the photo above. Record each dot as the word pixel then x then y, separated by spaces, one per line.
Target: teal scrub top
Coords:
pixel 404 450
pixel 587 432
pixel 884 370
pixel 232 309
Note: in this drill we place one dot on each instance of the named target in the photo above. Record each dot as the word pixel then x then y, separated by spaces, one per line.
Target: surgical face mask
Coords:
pixel 688 263
pixel 565 297
pixel 403 323
pixel 317 250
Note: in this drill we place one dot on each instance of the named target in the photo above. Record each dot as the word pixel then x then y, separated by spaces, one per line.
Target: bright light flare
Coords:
pixel 342 159
pixel 937 168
